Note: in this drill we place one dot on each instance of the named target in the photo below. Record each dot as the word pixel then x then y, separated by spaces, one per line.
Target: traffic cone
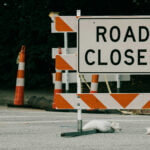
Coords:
pixel 94 84
pixel 59 50
pixel 19 94
pixel 58 81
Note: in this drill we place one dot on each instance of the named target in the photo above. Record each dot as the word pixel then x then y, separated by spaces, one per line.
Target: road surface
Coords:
pixel 29 129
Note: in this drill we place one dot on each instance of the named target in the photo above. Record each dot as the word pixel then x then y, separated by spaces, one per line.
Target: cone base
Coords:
pixel 19 95
pixel 54 106
pixel 21 106
pixel 18 104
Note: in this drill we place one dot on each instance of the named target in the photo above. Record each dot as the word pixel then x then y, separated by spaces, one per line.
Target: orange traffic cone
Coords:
pixel 19 94
pixel 94 84
pixel 58 81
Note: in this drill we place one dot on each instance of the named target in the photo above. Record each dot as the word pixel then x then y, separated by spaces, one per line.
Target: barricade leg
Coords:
pixel 79 118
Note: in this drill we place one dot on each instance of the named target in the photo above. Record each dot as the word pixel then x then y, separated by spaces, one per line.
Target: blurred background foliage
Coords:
pixel 27 22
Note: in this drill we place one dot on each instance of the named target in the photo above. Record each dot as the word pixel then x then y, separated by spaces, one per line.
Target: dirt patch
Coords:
pixel 40 102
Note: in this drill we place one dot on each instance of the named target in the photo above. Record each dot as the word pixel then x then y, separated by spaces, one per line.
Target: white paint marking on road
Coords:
pixel 34 116
pixel 60 121
pixel 22 116
pixel 30 122
pixel 26 116
pixel 21 110
pixel 52 114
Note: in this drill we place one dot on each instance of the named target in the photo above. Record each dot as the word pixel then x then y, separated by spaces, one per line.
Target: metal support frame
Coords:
pixel 66 52
pixel 118 83
pixel 79 131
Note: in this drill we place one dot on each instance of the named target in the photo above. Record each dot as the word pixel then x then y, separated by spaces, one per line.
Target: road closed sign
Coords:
pixel 114 45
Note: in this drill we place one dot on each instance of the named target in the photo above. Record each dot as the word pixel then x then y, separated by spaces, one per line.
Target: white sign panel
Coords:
pixel 114 45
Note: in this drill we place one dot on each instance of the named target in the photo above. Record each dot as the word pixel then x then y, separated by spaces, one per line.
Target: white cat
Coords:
pixel 102 126
pixel 148 131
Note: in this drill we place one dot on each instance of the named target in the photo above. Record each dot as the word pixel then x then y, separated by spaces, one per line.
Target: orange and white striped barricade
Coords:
pixel 90 101
pixel 66 62
pixel 63 24
pixel 19 94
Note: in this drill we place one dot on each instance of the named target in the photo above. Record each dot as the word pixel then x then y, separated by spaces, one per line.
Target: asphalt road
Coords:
pixel 32 129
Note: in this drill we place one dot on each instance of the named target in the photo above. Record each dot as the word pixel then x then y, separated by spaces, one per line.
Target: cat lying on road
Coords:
pixel 102 126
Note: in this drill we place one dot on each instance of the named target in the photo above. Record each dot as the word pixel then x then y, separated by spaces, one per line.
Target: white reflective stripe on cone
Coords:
pixel 58 85
pixel 20 82
pixel 21 66
pixel 94 86
pixel 58 70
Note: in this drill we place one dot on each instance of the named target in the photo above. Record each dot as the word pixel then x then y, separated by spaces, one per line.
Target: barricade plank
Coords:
pixel 103 101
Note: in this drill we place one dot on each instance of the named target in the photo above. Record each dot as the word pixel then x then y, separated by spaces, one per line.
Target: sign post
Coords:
pixel 65 52
pixel 118 83
pixel 79 111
